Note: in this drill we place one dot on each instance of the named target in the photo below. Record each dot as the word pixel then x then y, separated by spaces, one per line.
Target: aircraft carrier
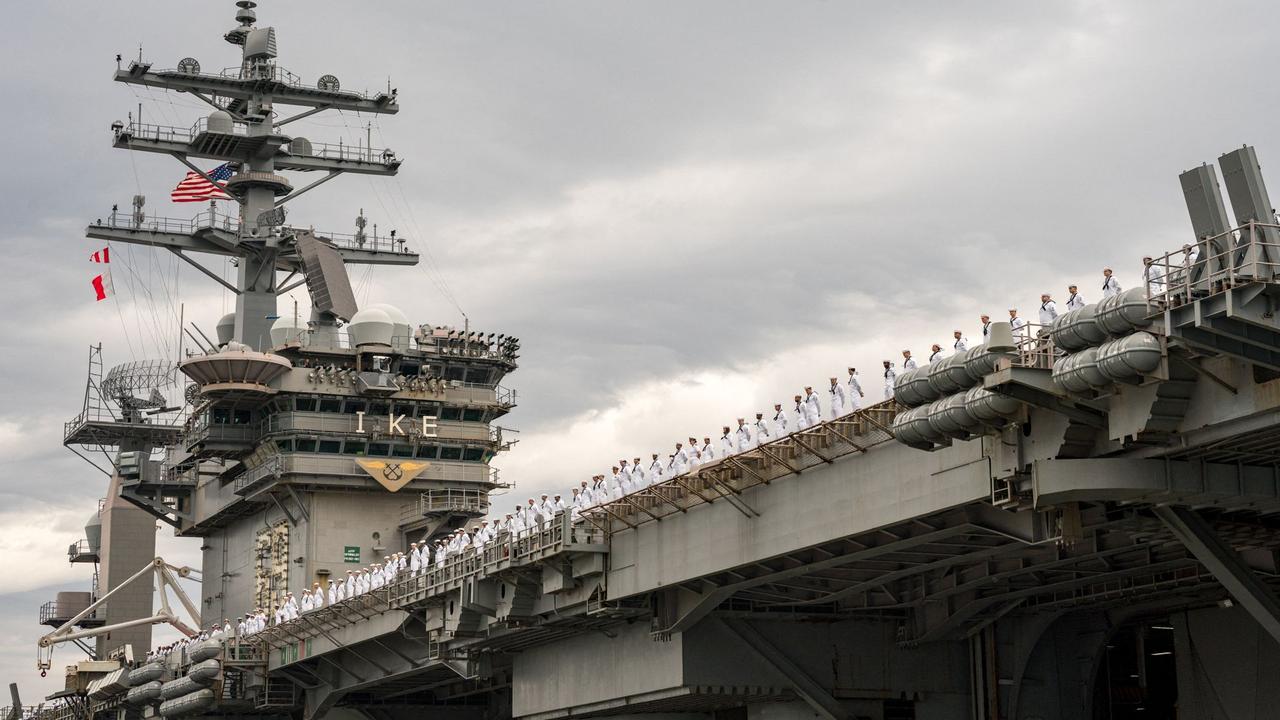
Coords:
pixel 1074 521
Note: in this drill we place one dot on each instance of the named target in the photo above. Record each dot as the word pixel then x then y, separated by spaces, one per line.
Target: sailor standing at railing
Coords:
pixel 761 430
pixel 779 421
pixel 837 399
pixel 742 436
pixel 691 455
pixel 1048 312
pixel 1153 276
pixel 986 327
pixel 334 587
pixel 813 406
pixel 557 506
pixel 638 479
pixel 547 509
pixel 853 386
pixel 1017 324
pixel 889 378
pixel 349 585
pixel 908 362
pixel 802 417
pixel 935 354
pixel 1074 301
pixel 1110 286
pixel 654 476
pixel 707 451
pixel 415 560
pixel 679 461
pixel 961 342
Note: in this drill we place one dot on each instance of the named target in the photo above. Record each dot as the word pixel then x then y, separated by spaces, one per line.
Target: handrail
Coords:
pixel 1214 264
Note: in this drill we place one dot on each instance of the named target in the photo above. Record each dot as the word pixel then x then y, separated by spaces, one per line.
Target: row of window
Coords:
pixel 375 408
pixel 382 449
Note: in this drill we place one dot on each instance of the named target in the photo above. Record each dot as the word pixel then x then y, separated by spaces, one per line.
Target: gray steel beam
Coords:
pixel 1225 564
pixel 822 702
pixel 283 161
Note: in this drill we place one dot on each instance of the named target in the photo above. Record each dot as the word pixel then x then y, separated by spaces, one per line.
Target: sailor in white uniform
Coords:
pixel 692 457
pixel 707 452
pixel 678 464
pixel 986 327
pixel 890 377
pixel 727 447
pixel 1048 312
pixel 1074 301
pixel 638 479
pixel 854 388
pixel 935 354
pixel 837 399
pixel 742 436
pixel 1153 276
pixel 802 413
pixel 779 421
pixel 654 476
pixel 813 405
pixel 1017 324
pixel 908 362
pixel 761 430
pixel 961 343
pixel 1109 284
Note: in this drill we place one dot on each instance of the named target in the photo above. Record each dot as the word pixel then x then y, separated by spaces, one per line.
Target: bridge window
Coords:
pixel 454 373
pixel 354 406
pixel 403 409
pixel 331 405
pixel 379 409
pixel 473 415
pixel 330 446
pixel 305 444
pixel 472 454
pixel 427 451
pixel 479 377
pixel 306 404
pixel 450 413
pixel 380 449
pixel 399 450
pixel 450 453
pixel 354 447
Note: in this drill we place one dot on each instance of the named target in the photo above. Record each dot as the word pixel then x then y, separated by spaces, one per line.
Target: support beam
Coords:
pixel 1225 564
pixel 822 702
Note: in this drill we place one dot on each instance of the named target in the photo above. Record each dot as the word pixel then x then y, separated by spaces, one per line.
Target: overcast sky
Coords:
pixel 687 211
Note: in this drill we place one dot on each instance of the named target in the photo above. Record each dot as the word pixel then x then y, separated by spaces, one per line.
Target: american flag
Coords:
pixel 194 188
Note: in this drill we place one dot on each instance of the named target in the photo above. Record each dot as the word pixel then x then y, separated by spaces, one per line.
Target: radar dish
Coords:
pixel 137 385
pixel 328 83
pixel 189 66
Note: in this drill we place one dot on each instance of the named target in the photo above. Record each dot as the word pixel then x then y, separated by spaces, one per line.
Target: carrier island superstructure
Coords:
pixel 1066 522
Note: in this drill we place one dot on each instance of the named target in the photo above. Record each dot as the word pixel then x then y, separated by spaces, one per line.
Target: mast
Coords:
pixel 244 129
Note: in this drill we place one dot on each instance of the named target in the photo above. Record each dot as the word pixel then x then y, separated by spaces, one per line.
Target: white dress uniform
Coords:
pixel 1018 325
pixel 1048 313
pixel 638 479
pixel 1153 275
pixel 961 344
pixel 890 377
pixel 837 401
pixel 802 417
pixel 726 446
pixel 813 406
pixel 986 332
pixel 762 432
pixel 909 364
pixel 743 436
pixel 678 466
pixel 779 423
pixel 654 476
pixel 934 357
pixel 854 387
pixel 1110 287
pixel 708 453
pixel 1075 302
